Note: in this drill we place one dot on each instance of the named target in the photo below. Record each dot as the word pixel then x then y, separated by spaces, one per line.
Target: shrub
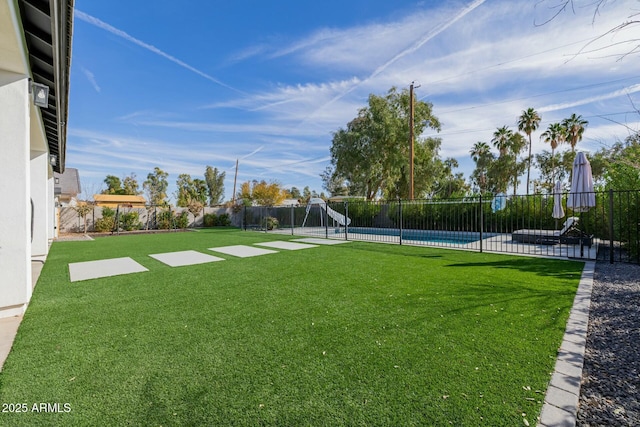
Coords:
pixel 271 222
pixel 210 220
pixel 107 222
pixel 182 219
pixel 130 221
pixel 224 220
pixel 165 220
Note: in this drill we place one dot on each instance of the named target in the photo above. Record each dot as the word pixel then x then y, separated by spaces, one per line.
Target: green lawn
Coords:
pixel 353 334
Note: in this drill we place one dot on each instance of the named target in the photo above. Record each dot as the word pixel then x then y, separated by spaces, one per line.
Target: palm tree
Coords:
pixel 481 155
pixel 574 128
pixel 527 123
pixel 501 139
pixel 554 136
pixel 517 144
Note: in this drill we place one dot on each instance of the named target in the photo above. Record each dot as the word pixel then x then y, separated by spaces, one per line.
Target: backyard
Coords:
pixel 353 334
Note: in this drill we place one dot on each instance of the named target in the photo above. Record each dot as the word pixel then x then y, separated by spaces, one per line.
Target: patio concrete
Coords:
pixel 103 268
pixel 289 246
pixel 317 241
pixel 242 251
pixel 182 258
pixel 9 325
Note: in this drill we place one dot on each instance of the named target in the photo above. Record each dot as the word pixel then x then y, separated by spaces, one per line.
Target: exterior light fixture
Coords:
pixel 40 94
pixel 53 160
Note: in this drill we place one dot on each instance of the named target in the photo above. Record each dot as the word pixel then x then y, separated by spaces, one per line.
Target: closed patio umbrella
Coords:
pixel 558 211
pixel 581 196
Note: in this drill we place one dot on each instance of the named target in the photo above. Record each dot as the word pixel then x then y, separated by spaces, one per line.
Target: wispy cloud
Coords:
pixel 611 95
pixel 91 78
pixel 103 25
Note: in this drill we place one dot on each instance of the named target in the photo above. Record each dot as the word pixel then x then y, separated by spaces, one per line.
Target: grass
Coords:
pixel 354 334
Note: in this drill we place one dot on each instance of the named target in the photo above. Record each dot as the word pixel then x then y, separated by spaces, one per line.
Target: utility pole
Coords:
pixel 235 178
pixel 411 154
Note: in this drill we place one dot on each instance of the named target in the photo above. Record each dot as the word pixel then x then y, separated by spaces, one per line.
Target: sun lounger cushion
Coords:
pixel 544 236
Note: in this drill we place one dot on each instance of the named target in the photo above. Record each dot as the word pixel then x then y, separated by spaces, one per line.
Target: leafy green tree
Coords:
pixel 546 162
pixel 114 185
pixel 189 190
pixel 215 185
pixel 527 123
pixel 372 153
pixel 295 193
pixel 451 184
pixel 622 171
pixel 262 193
pixel 156 187
pixel 483 157
pixel 130 185
pixel 334 183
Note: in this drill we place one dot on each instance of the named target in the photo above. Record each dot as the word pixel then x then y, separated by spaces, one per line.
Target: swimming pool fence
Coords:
pixel 510 224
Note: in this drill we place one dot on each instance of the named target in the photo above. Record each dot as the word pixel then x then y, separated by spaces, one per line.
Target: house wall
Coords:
pixel 15 222
pixel 40 196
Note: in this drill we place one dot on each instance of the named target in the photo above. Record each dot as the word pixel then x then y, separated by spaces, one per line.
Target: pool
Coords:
pixel 429 236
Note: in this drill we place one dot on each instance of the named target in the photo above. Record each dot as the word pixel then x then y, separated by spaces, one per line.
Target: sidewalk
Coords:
pixel 9 325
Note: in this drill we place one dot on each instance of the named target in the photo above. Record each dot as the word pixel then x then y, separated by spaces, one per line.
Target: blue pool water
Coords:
pixel 453 237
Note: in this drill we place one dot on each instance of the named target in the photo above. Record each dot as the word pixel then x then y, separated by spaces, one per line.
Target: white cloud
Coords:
pixel 91 78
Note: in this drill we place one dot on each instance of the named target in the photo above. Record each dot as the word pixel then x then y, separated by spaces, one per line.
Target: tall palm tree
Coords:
pixel 574 128
pixel 554 136
pixel 527 123
pixel 501 139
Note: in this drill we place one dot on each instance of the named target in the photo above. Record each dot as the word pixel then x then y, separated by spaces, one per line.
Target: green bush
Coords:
pixel 107 222
pixel 130 221
pixel 182 219
pixel 210 220
pixel 224 220
pixel 165 220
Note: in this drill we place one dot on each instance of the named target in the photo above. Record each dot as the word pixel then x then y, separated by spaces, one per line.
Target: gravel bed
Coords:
pixel 611 373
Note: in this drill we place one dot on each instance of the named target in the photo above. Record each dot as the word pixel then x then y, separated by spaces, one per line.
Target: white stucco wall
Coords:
pixel 15 186
pixel 39 166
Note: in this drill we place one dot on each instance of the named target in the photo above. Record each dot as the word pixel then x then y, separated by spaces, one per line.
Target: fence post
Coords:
pixel 400 216
pixel 117 224
pixel 292 220
pixel 346 220
pixel 611 226
pixel 326 219
pixel 481 222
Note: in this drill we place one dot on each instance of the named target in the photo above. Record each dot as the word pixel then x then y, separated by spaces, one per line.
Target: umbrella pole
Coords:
pixel 580 237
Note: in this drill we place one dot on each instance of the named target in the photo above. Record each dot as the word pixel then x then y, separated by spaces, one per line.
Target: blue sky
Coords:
pixel 185 85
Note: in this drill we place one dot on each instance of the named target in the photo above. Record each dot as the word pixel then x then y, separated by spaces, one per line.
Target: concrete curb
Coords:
pixel 563 395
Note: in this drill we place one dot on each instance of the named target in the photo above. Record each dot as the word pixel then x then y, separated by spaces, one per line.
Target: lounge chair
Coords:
pixel 544 237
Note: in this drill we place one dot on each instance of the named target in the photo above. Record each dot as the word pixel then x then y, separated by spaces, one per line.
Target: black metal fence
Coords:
pixel 610 230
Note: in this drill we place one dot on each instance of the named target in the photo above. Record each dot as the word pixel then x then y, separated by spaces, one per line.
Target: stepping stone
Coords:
pixel 316 241
pixel 242 251
pixel 103 268
pixel 182 258
pixel 290 246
